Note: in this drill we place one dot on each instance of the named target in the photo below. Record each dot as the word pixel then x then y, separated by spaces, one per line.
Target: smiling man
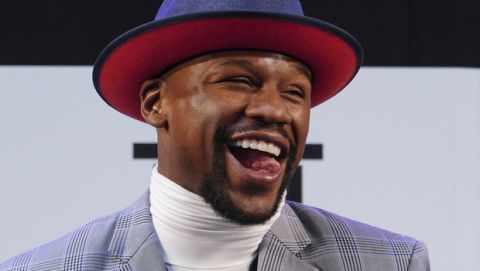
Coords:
pixel 228 86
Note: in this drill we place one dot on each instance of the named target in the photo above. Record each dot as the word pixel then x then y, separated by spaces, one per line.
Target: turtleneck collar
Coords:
pixel 194 237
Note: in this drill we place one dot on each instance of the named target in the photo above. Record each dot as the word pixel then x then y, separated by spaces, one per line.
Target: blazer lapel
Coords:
pixel 280 246
pixel 134 242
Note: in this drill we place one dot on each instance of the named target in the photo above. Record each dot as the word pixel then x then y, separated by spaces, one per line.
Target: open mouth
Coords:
pixel 260 156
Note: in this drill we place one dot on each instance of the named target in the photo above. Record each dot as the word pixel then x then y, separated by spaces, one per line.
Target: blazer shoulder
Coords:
pixel 318 221
pixel 369 244
pixel 92 238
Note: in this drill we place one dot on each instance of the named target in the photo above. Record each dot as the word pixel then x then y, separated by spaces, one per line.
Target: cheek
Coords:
pixel 188 130
pixel 306 119
pixel 301 126
pixel 198 118
pixel 301 120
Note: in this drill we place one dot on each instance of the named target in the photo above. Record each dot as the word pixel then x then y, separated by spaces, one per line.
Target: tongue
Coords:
pixel 256 160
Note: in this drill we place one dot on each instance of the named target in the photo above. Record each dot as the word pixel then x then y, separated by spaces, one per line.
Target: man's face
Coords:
pixel 235 129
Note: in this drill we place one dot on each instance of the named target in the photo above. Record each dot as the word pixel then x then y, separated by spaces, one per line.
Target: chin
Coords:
pixel 257 205
pixel 245 207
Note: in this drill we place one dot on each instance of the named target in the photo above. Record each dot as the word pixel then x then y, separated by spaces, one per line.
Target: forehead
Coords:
pixel 245 59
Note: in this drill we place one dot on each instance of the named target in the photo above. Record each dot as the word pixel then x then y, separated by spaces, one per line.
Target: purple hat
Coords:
pixel 184 29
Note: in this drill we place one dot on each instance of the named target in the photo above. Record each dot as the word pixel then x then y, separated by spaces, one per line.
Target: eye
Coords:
pixel 240 80
pixel 244 83
pixel 295 92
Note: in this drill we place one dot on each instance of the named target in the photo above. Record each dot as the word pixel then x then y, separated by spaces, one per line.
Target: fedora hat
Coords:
pixel 184 29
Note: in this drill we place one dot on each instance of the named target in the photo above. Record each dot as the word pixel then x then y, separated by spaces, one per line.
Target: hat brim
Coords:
pixel 144 52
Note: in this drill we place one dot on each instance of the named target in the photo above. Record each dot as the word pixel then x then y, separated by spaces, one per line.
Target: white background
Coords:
pixel 401 151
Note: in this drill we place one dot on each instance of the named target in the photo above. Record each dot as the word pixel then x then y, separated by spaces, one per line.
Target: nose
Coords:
pixel 268 105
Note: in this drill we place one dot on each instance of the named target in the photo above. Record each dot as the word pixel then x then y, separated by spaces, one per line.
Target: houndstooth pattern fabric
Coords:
pixel 303 238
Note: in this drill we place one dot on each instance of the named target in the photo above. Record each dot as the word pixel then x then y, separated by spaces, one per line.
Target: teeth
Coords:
pixel 262 146
pixel 272 149
pixel 259 145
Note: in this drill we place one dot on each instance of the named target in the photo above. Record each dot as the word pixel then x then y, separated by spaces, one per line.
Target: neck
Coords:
pixel 193 235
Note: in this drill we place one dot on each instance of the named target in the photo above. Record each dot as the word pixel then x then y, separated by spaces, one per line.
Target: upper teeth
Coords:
pixel 258 145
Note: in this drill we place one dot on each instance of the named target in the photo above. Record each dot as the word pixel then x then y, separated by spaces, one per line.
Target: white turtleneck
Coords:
pixel 194 237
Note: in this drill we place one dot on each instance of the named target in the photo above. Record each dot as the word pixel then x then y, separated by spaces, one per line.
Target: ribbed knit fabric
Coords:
pixel 194 237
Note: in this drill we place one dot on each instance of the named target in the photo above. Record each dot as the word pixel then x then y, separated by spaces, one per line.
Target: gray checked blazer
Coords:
pixel 303 238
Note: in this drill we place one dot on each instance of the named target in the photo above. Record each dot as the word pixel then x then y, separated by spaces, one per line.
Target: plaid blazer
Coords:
pixel 303 238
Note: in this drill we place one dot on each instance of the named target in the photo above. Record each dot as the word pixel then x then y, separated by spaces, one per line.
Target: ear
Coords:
pixel 151 94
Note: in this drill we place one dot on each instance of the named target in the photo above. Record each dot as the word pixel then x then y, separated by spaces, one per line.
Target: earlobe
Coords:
pixel 151 95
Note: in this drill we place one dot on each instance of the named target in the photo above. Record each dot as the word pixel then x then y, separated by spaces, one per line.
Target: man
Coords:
pixel 228 86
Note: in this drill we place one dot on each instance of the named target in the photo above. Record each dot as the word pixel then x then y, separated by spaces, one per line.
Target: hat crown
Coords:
pixel 171 8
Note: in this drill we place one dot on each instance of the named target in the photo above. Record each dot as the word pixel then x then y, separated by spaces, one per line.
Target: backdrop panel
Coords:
pixel 401 149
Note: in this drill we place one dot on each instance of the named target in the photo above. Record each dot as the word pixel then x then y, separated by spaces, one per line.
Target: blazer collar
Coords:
pixel 135 241
pixel 281 245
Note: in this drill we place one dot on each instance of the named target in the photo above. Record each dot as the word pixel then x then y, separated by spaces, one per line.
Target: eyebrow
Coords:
pixel 250 67
pixel 238 62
